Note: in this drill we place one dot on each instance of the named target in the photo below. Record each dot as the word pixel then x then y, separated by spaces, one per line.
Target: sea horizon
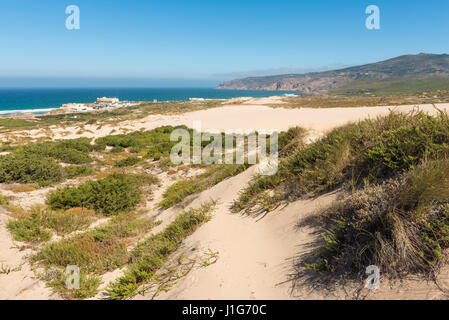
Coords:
pixel 39 100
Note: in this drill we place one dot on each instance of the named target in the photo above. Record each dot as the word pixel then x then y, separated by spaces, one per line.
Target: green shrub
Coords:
pixel 178 191
pixel 3 200
pixel 37 162
pixel 26 168
pixel 77 171
pixel 75 151
pixel 127 162
pixel 88 286
pixel 65 222
pixel 117 149
pixel 29 229
pixel 355 154
pixel 157 141
pixel 109 196
pixel 37 224
pixel 98 250
pixel 404 147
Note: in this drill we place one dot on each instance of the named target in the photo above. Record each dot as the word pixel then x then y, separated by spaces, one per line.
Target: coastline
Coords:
pixel 41 101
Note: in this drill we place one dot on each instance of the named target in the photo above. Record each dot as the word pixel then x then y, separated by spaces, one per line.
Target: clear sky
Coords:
pixel 210 40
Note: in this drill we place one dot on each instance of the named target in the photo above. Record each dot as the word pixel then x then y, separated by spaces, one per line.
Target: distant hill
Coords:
pixel 424 68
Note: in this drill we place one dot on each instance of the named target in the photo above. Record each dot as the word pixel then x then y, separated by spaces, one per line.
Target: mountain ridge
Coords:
pixel 419 66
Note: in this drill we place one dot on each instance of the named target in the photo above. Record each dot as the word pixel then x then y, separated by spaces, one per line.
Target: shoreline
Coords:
pixel 148 99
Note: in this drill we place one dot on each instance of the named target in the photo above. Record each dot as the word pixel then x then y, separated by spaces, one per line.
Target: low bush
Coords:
pixel 27 168
pixel 29 229
pixel 37 224
pixel 110 196
pixel 156 142
pixel 117 149
pixel 126 162
pixel 77 171
pixel 88 285
pixel 74 151
pixel 96 251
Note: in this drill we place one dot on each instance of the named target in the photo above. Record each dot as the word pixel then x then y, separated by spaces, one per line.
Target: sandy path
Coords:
pixel 256 256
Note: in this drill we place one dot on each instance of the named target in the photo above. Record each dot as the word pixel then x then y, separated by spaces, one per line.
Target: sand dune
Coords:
pixel 256 256
pixel 237 117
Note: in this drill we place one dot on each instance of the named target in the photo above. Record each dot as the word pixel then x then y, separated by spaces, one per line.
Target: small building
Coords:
pixel 107 100
pixel 76 107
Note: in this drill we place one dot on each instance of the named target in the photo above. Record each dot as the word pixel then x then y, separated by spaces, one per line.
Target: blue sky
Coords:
pixel 208 41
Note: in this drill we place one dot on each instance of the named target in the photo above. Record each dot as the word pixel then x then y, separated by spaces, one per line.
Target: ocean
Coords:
pixel 44 100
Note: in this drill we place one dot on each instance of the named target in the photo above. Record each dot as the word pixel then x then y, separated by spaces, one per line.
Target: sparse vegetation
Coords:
pixel 77 171
pixel 38 162
pixel 99 250
pixel 23 188
pixel 400 225
pixel 178 191
pixel 183 188
pixel 155 143
pixel 9 123
pixel 29 229
pixel 88 285
pixel 94 252
pixel 355 155
pixel 127 162
pixel 393 171
pixel 150 254
pixel 38 223
pixel 134 112
pixel 3 200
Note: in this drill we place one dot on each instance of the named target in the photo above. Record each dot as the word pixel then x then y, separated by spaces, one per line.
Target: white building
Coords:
pixel 107 100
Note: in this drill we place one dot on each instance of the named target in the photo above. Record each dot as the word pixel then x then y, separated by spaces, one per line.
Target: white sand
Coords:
pixel 20 283
pixel 239 117
pixel 256 257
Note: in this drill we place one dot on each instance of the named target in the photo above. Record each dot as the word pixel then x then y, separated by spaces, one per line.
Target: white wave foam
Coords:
pixel 27 111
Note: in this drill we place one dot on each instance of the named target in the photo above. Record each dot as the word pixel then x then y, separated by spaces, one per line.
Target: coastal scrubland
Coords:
pixel 364 93
pixel 95 214
pixel 371 98
pixel 118 208
pixel 138 111
pixel 391 173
